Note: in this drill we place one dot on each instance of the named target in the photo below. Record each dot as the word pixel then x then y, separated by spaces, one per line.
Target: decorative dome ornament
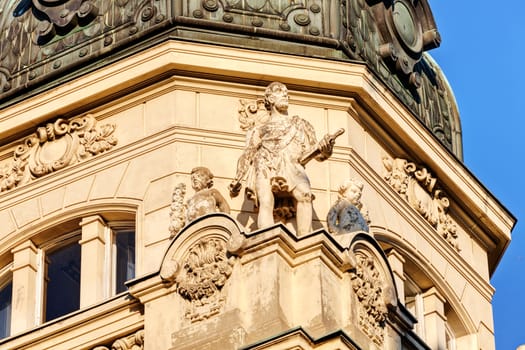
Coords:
pixel 406 29
pixel 56 16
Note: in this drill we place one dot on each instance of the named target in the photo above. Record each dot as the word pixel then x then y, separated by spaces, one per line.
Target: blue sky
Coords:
pixel 481 54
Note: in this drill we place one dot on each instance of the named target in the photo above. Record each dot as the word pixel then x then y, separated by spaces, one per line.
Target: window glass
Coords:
pixel 125 258
pixel 5 310
pixel 63 281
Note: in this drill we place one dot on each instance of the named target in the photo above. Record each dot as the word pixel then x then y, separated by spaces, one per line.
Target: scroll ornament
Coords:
pixel 418 187
pixel 55 146
pixel 367 285
pixel 131 342
pixel 57 17
pixel 205 271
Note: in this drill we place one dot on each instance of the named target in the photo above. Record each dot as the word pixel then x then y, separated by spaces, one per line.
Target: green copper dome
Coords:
pixel 47 42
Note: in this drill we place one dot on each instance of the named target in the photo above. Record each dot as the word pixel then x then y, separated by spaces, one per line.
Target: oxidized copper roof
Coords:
pixel 44 40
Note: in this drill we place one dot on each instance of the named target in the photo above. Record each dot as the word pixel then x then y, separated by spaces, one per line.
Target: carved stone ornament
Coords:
pixel 131 342
pixel 55 146
pixel 199 262
pixel 205 200
pixel 367 282
pixel 43 38
pixel 418 187
pixel 278 147
pixel 56 17
pixel 205 270
pixel 177 210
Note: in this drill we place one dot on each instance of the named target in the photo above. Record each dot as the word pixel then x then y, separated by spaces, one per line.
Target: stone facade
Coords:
pixel 109 150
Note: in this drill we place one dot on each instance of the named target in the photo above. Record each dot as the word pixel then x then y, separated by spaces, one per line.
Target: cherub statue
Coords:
pixel 348 213
pixel 206 200
pixel 278 147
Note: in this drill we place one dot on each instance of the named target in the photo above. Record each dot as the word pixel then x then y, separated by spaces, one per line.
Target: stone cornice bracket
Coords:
pixel 419 188
pixel 56 17
pixel 131 342
pixel 200 261
pixel 55 146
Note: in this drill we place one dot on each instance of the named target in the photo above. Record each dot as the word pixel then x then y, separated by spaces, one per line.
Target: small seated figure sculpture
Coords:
pixel 348 215
pixel 206 200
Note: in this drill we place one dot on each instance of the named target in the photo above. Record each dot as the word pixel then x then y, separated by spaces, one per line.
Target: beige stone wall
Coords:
pixel 177 123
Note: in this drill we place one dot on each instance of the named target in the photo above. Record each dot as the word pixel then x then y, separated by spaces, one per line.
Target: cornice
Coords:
pixel 376 106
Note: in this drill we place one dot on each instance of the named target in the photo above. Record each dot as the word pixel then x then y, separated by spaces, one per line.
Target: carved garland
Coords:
pixel 367 285
pixel 55 146
pixel 205 271
pixel 177 210
pixel 418 187
pixel 131 342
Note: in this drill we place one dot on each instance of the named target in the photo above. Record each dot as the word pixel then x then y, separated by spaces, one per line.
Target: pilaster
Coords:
pixel 93 281
pixel 24 287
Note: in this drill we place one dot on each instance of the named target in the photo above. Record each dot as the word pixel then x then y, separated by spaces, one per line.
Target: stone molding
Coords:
pixel 419 188
pixel 131 342
pixel 55 146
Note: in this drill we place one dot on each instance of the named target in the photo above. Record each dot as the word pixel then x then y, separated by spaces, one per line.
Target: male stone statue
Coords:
pixel 277 149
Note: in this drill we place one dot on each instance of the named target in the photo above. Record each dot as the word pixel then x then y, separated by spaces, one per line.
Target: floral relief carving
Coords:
pixel 367 284
pixel 55 146
pixel 418 187
pixel 131 342
pixel 205 271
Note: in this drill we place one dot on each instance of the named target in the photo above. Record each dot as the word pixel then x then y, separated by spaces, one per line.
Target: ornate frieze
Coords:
pixel 367 284
pixel 55 146
pixel 417 185
pixel 132 342
pixel 44 38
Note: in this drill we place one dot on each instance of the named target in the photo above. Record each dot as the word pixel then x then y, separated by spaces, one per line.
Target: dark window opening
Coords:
pixel 5 310
pixel 63 281
pixel 125 259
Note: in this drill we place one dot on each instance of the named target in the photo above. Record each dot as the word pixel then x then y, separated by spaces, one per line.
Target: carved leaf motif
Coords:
pixel 96 141
pixel 205 271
